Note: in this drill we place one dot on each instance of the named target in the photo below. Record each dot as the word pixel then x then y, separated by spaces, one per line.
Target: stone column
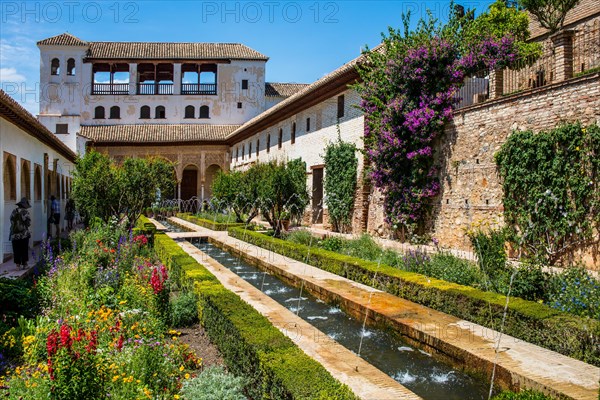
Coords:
pixel 132 79
pixel 177 78
pixel 563 55
pixel 496 88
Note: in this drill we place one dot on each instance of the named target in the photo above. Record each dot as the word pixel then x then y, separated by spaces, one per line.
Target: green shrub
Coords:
pixel 523 395
pixel 530 321
pixel 214 384
pixel 301 236
pixel 575 291
pixel 209 223
pixel 184 309
pixel 332 243
pixel 17 298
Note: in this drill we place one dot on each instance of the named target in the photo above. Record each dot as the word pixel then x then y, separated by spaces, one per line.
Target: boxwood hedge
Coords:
pixel 206 223
pixel 533 322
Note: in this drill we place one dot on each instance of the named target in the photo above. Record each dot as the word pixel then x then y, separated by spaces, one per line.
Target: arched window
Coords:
pixel 99 113
pixel 71 66
pixel 190 111
pixel 37 183
pixel 145 112
pixel 55 67
pixel 280 140
pixel 268 143
pixel 250 150
pixel 159 112
pixel 243 150
pixel 257 146
pixel 293 139
pixel 204 113
pixel 237 154
pixel 115 112
pixel 10 177
pixel 25 180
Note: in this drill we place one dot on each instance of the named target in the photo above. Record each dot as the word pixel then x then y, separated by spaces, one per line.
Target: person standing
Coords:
pixel 55 214
pixel 70 213
pixel 20 221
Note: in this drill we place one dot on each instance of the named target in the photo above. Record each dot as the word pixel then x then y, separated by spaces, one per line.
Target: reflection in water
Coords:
pixel 416 370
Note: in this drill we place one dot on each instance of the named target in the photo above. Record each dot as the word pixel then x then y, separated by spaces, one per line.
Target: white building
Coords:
pixel 35 164
pixel 177 100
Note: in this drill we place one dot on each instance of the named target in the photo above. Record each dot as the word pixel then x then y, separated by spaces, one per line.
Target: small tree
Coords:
pixel 102 189
pixel 550 13
pixel 340 182
pixel 282 192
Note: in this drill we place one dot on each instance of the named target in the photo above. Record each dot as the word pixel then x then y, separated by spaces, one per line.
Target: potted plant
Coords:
pixel 284 220
pixel 149 213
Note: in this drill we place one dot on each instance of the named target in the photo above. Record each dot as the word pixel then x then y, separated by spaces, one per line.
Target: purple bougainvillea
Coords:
pixel 409 91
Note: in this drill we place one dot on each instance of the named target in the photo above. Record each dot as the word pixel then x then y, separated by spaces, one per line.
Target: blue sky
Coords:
pixel 304 39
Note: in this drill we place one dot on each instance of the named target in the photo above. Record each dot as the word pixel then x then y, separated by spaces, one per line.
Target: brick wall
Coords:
pixel 471 189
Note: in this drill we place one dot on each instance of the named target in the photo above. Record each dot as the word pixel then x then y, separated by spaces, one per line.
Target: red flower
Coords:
pixel 119 344
pixel 93 344
pixel 52 344
pixel 65 336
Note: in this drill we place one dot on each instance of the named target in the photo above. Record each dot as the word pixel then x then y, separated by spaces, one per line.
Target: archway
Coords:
pixel 189 182
pixel 209 176
pixel 25 180
pixel 10 177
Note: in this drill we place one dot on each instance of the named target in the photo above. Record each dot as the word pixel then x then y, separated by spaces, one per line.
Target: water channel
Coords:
pixel 411 367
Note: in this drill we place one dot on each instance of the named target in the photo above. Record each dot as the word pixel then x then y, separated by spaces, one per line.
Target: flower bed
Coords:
pixel 104 329
pixel 527 320
pixel 207 223
pixel 251 346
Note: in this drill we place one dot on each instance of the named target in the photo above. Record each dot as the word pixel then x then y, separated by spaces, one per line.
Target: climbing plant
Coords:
pixel 551 189
pixel 409 88
pixel 340 182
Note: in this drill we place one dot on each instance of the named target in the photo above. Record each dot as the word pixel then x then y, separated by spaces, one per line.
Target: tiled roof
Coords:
pixel 158 50
pixel 189 51
pixel 585 9
pixel 64 39
pixel 156 133
pixel 16 114
pixel 274 89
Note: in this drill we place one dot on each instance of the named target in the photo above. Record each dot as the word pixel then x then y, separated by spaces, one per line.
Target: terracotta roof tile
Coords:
pixel 64 39
pixel 189 51
pixel 156 133
pixel 274 89
pixel 16 114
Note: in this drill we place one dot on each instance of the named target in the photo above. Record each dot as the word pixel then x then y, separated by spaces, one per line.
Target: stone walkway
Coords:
pixel 520 363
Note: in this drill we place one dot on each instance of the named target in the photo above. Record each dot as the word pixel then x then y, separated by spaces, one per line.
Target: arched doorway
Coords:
pixel 189 182
pixel 10 177
pixel 209 176
pixel 25 180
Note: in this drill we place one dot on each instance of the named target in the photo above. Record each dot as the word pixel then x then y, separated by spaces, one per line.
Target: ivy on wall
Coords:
pixel 552 190
pixel 340 183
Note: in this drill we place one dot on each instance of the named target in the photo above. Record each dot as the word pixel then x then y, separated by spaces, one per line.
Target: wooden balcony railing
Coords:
pixel 110 88
pixel 155 88
pixel 199 88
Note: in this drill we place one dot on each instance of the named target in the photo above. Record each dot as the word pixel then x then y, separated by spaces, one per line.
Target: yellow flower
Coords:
pixel 123 302
pixel 187 376
pixel 577 148
pixel 181 368
pixel 176 396
pixel 115 378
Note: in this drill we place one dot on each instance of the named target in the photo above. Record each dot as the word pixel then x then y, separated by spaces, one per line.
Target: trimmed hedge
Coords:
pixel 533 322
pixel 249 343
pixel 206 223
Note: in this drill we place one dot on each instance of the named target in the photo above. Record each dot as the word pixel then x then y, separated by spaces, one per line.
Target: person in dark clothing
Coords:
pixel 70 213
pixel 20 221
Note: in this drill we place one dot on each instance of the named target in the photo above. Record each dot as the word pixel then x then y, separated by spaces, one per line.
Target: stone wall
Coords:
pixel 471 190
